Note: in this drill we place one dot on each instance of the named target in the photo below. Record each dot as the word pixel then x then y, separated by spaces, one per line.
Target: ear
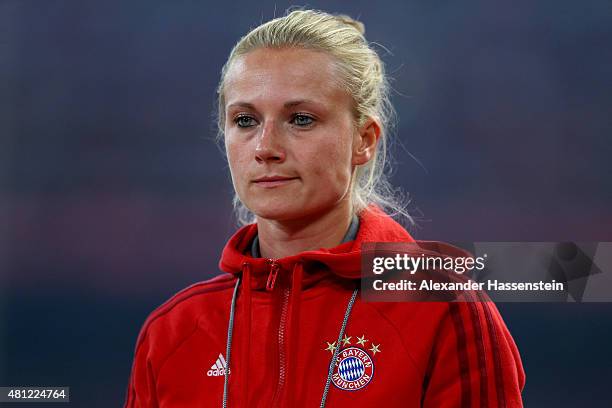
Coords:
pixel 364 143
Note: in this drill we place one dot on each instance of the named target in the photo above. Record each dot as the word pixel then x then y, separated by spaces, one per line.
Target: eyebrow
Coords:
pixel 289 104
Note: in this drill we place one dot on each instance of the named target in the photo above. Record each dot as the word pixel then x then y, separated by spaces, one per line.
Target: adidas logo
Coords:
pixel 218 369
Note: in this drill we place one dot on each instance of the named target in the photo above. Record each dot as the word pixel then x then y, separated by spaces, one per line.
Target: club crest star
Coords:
pixel 346 340
pixel 331 347
pixel 375 348
pixel 361 340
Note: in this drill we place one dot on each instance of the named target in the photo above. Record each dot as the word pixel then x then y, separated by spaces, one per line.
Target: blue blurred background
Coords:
pixel 113 195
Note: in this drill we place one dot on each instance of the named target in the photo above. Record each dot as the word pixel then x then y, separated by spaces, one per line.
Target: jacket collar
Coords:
pixel 343 260
pixel 349 236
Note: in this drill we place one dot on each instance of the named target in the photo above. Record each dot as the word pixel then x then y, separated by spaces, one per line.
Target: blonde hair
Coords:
pixel 363 77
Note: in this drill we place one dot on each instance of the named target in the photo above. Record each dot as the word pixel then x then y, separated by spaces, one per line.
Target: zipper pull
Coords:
pixel 274 267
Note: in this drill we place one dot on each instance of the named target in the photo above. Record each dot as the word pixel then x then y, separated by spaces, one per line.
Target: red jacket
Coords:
pixel 285 329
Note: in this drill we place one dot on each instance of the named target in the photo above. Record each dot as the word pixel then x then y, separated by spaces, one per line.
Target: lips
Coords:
pixel 273 178
pixel 273 181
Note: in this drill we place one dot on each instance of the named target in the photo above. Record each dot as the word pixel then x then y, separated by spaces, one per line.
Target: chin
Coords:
pixel 279 213
pixel 287 207
pixel 282 212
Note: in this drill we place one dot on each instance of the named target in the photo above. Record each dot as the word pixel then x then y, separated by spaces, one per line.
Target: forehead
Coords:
pixel 284 74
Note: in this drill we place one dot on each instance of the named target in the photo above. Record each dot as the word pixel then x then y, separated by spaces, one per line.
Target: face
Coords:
pixel 290 136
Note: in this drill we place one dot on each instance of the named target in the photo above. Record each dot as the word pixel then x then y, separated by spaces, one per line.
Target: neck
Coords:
pixel 279 239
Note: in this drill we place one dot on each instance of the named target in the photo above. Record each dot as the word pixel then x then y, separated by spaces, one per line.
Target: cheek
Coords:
pixel 332 163
pixel 235 157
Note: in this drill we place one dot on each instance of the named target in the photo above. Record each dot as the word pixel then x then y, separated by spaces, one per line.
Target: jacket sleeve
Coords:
pixel 141 391
pixel 474 361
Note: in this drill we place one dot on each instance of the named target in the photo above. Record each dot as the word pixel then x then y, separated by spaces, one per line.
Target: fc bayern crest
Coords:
pixel 354 369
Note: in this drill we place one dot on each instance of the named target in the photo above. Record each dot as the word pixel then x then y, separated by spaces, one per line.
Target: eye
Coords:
pixel 303 120
pixel 244 121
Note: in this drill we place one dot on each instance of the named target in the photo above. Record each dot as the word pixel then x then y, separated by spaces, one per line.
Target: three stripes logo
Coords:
pixel 218 369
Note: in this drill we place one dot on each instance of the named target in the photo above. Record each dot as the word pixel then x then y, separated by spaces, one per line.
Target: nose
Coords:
pixel 269 144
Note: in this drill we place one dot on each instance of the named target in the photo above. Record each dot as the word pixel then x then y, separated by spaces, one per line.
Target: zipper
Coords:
pixel 282 357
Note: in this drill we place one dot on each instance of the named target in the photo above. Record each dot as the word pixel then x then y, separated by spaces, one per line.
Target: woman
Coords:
pixel 303 110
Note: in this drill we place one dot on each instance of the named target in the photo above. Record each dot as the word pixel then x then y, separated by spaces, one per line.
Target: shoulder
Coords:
pixel 435 317
pixel 178 317
pixel 426 326
pixel 195 294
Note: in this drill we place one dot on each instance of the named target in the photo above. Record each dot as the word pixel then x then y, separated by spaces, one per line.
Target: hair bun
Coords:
pixel 358 25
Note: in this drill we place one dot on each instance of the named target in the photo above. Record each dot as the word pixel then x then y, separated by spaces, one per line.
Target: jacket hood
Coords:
pixel 343 260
